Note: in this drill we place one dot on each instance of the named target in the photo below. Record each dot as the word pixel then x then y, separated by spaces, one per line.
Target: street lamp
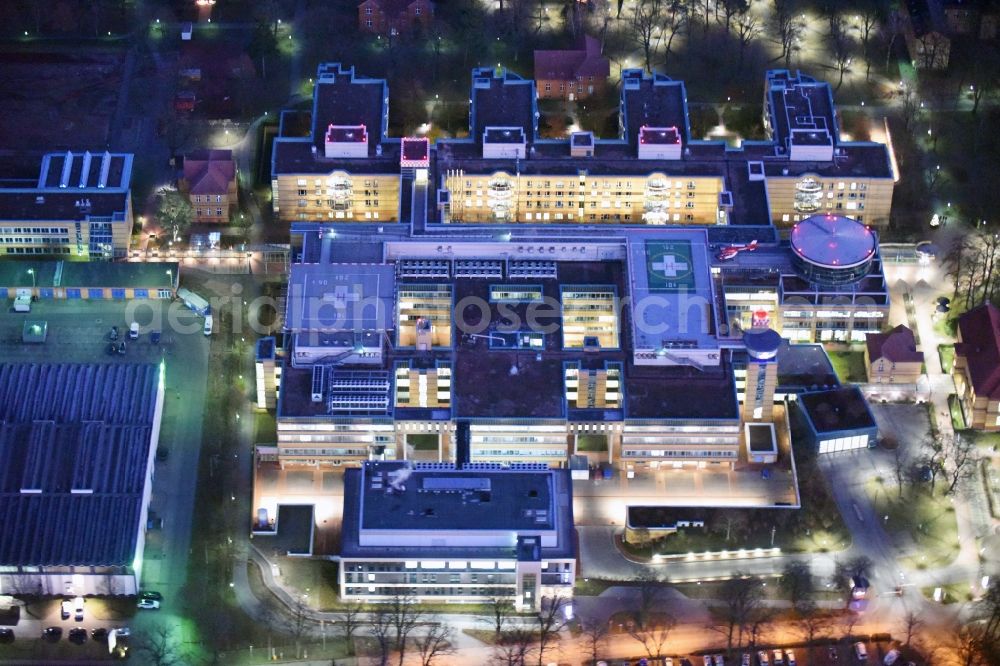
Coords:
pixel 31 272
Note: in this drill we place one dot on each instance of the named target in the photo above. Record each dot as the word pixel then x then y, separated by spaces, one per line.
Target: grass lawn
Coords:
pixel 596 443
pixel 425 442
pixel 957 417
pixel 592 587
pixel 927 519
pixel 849 365
pixel 987 440
pixel 317 578
pixel 947 355
pixel 265 428
pixel 950 594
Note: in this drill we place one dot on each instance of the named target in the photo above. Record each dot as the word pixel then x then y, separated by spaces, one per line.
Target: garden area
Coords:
pixel 849 366
pixel 921 516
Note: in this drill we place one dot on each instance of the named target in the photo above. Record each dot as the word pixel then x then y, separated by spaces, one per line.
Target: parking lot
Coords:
pixel 78 332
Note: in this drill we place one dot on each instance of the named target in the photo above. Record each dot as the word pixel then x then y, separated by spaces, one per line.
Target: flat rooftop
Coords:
pixel 837 410
pixel 805 367
pixel 60 206
pixel 340 297
pixel 671 289
pixel 73 274
pixel 522 502
pixel 501 98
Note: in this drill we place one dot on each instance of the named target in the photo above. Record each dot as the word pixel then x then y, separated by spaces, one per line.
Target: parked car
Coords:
pixel 78 635
pixel 779 659
pixel 148 604
pixel 151 594
pixel 78 609
pixel 745 660
pixel 154 523
pixel 6 635
pixel 668 661
pixel 66 609
pixel 154 337
pixel 100 634
pixel 762 658
pixel 52 633
pixel 123 632
pixel 833 654
pixel 114 334
pixel 133 331
pixel 790 658
pixel 860 651
pixel 719 660
pixel 121 347
pixel 707 659
pixel 112 348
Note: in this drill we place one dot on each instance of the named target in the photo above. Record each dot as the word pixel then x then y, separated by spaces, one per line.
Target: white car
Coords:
pixel 762 658
pixel 668 661
pixel 778 658
pixel 790 658
pixel 719 660
pixel 148 604
pixel 745 661
pixel 707 659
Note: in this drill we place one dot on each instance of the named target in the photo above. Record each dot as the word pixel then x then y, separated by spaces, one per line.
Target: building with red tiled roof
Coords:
pixel 572 73
pixel 892 357
pixel 977 366
pixel 210 183
pixel 394 17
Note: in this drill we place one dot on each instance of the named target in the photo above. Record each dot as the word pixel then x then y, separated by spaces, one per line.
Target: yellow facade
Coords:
pixel 338 196
pixel 60 238
pixel 794 198
pixel 582 198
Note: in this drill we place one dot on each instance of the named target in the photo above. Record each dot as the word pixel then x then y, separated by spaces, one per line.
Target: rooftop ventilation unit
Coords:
pixel 318 375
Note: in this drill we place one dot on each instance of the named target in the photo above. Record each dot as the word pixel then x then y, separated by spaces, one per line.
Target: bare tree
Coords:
pixel 675 20
pixel 349 619
pixel 867 22
pixel 960 457
pixel 912 624
pixel 899 469
pixel 380 628
pixel 742 596
pixel 653 638
pixel 647 15
pixel 501 612
pixel 650 591
pixel 437 641
pixel 840 46
pixel 595 635
pixel 893 28
pixel 514 648
pixel 747 30
pixel 158 646
pixel 550 621
pixel 405 614
pixel 810 622
pixel 796 580
pixel 786 27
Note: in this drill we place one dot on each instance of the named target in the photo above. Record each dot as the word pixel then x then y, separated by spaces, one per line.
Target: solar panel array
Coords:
pixel 74 453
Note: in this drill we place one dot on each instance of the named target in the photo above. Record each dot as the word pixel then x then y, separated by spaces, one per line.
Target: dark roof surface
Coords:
pixel 509 498
pixel 568 64
pixel 837 410
pixel 60 206
pixel 69 274
pixel 897 345
pixel 805 366
pixel 65 428
pixel 209 171
pixel 501 99
pixel 341 97
pixel 980 346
